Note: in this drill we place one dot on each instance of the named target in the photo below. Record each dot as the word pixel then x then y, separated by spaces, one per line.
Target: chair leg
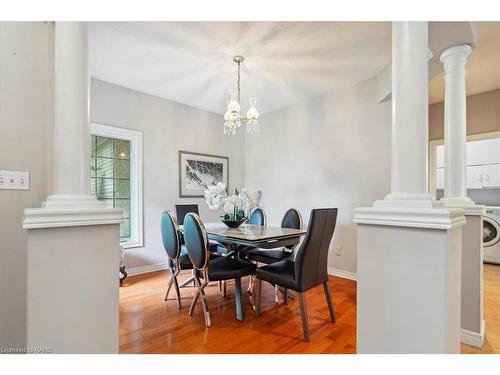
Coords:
pixel 204 303
pixel 238 298
pixel 276 294
pixel 303 313
pixel 177 291
pixel 222 288
pixel 329 300
pixel 170 282
pixel 173 280
pixel 187 282
pixel 258 289
pixel 195 298
pixel 285 296
pixel 251 284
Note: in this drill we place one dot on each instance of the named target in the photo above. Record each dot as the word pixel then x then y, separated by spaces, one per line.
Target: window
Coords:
pixel 116 178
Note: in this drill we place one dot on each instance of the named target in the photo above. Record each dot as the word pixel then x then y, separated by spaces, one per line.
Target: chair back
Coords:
pixel 258 217
pixel 292 219
pixel 181 210
pixel 170 235
pixel 312 256
pixel 196 240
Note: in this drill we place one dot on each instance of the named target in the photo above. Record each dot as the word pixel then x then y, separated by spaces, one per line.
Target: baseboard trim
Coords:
pixel 341 273
pixel 146 269
pixel 473 338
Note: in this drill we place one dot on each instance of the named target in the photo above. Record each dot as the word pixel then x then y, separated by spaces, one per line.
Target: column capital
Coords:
pixel 456 55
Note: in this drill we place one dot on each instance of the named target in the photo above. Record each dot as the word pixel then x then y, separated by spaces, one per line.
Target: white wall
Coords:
pixel 333 151
pixel 26 92
pixel 167 127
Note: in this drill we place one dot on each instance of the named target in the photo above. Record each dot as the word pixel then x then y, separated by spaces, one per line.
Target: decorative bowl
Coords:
pixel 234 223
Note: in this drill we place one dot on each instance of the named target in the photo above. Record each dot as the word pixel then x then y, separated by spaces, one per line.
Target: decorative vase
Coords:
pixel 233 223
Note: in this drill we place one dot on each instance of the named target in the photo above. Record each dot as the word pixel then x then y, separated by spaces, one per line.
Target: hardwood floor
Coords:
pixel 491 305
pixel 150 325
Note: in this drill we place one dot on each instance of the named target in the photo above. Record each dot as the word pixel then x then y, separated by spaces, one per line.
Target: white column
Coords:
pixel 71 112
pixel 73 239
pixel 71 186
pixel 454 60
pixel 410 111
pixel 409 251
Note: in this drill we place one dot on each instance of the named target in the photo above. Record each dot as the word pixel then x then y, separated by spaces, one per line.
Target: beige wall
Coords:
pixel 483 115
pixel 26 70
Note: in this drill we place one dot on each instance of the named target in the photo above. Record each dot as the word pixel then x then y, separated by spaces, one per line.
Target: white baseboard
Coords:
pixel 147 269
pixel 341 273
pixel 473 338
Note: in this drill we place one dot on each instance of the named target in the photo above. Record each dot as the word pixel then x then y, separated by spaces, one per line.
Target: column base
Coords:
pixel 410 213
pixel 73 289
pixel 474 339
pixel 409 270
pixel 465 203
pixel 70 210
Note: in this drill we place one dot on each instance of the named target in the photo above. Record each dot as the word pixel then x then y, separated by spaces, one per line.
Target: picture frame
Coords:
pixel 199 170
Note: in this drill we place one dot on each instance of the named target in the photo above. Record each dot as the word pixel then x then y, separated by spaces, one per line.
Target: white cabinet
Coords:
pixel 483 164
pixel 491 175
pixel 485 151
pixel 477 177
pixel 474 177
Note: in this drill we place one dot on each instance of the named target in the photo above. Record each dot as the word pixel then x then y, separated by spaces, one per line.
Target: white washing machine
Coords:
pixel 491 235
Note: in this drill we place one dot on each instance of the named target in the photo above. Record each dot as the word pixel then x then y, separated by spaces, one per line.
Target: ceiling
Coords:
pixel 483 64
pixel 191 62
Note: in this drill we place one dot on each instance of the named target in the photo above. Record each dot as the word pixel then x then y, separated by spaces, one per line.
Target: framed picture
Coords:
pixel 197 171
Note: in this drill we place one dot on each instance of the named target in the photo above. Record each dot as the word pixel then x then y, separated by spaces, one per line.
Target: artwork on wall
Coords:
pixel 197 171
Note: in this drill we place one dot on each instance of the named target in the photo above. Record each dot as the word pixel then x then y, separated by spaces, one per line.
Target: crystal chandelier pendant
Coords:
pixel 252 116
pixel 232 117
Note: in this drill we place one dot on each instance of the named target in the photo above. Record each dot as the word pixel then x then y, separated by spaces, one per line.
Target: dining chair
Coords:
pixel 309 268
pixel 216 269
pixel 178 260
pixel 291 220
pixel 181 210
pixel 258 217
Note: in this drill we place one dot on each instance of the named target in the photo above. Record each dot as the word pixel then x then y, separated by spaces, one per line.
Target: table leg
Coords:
pixel 240 311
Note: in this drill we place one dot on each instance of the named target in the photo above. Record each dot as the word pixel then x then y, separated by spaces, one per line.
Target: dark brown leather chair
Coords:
pixel 309 268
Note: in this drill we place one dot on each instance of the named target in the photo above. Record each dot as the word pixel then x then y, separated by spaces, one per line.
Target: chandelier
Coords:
pixel 233 117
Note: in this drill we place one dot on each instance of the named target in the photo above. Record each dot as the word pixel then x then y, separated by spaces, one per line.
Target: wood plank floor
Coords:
pixel 150 325
pixel 491 306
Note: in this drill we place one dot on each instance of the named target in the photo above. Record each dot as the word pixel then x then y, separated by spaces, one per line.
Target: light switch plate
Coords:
pixel 14 180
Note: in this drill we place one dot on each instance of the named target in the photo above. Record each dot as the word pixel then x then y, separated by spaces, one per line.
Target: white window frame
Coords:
pixel 432 155
pixel 136 204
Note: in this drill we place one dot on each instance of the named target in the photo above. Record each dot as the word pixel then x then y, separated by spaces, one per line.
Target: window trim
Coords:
pixel 136 198
pixel 432 155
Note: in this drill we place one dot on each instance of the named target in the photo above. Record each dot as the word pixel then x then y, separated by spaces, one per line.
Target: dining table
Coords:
pixel 250 236
pixel 253 236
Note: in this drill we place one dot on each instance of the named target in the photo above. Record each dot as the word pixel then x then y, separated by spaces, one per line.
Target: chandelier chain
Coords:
pixel 239 101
